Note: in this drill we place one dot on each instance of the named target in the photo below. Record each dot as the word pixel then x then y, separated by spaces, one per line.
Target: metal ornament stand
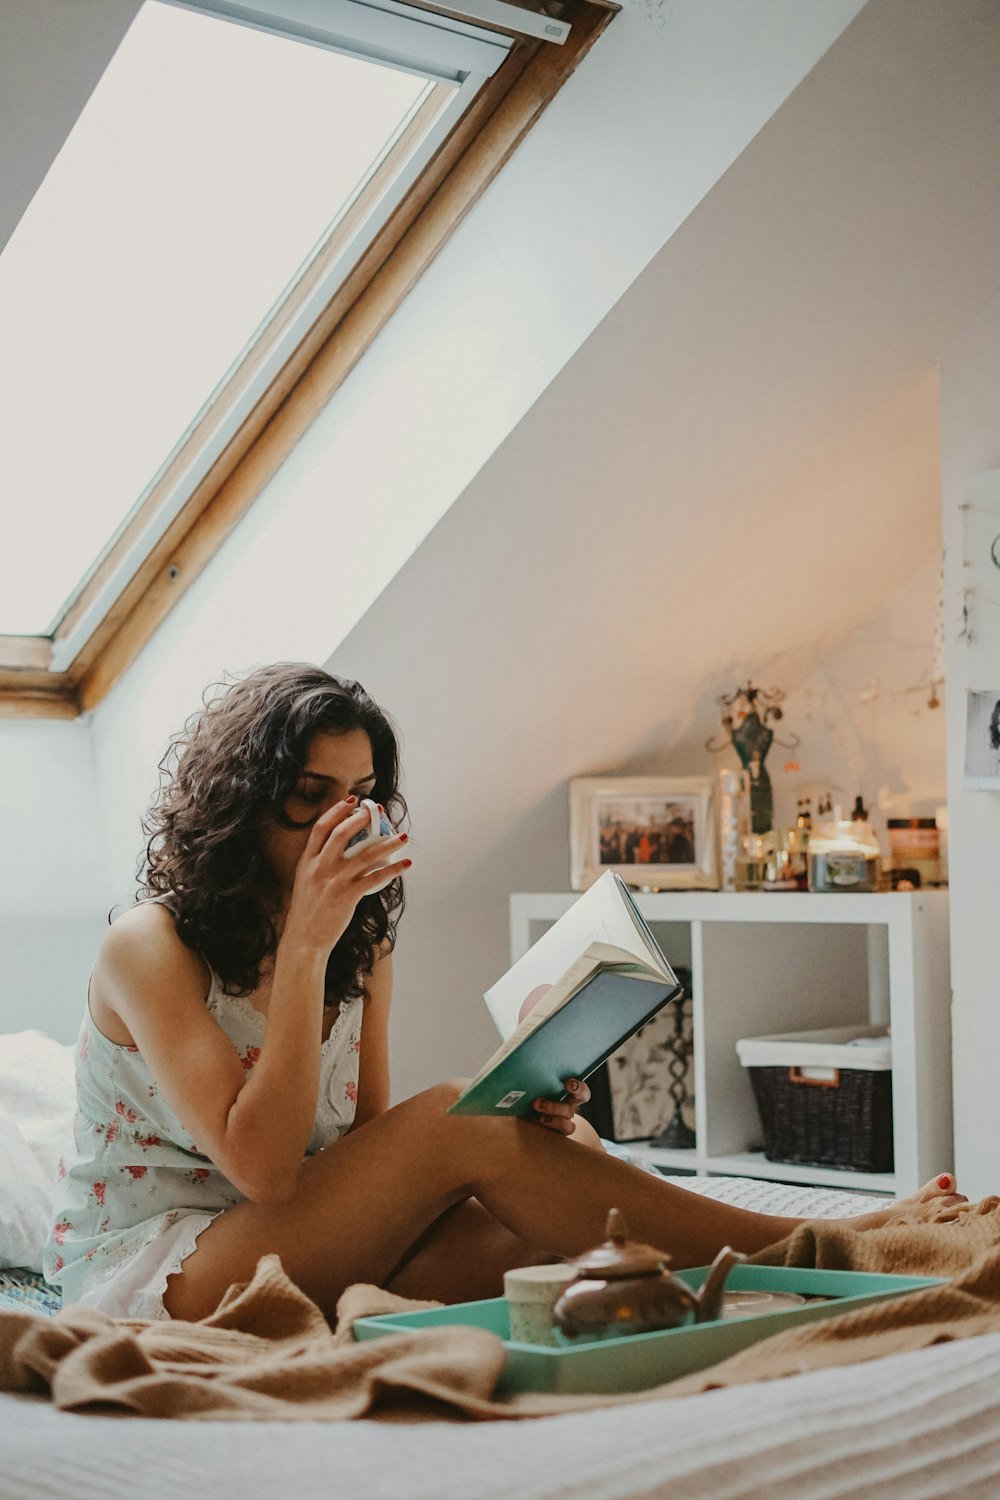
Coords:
pixel 678 1136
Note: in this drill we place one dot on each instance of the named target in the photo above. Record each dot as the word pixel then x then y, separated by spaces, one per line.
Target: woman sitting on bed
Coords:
pixel 232 1068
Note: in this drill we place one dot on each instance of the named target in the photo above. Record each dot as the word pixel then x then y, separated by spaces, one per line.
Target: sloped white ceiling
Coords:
pixel 741 460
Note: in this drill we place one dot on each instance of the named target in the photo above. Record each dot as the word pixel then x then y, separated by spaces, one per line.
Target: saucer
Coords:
pixel 751 1304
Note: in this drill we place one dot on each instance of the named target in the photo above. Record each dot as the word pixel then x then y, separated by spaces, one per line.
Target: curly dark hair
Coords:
pixel 234 765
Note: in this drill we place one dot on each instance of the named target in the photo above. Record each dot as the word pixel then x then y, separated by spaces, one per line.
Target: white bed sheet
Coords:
pixel 913 1427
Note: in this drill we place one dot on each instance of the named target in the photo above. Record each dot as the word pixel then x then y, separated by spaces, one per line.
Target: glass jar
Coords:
pixel 843 856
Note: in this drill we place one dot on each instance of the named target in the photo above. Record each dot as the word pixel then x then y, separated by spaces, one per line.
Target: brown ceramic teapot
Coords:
pixel 623 1286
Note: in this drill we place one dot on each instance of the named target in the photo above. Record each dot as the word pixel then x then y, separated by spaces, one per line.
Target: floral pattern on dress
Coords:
pixel 133 1169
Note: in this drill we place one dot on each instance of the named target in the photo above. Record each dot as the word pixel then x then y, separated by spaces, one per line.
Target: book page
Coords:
pixel 603 914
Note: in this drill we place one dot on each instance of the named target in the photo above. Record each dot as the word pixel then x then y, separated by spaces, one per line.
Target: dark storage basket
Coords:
pixel 846 1122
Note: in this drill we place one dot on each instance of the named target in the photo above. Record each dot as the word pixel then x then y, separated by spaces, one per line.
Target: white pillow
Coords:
pixel 25 1201
pixel 37 1102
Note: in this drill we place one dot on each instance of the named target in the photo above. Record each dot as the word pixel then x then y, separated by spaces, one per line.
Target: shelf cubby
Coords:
pixel 765 962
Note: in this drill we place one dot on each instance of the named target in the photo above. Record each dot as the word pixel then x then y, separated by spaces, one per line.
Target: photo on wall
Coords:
pixel 982 742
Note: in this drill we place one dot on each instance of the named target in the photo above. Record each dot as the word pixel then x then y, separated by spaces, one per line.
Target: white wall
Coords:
pixel 970 444
pixel 497 718
pixel 636 138
pixel 54 887
pixel 859 707
pixel 737 472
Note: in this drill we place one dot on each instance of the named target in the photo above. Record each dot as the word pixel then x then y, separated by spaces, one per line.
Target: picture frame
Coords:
pixel 658 833
pixel 982 741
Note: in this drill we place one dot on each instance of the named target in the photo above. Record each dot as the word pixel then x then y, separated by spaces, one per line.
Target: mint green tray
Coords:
pixel 647 1359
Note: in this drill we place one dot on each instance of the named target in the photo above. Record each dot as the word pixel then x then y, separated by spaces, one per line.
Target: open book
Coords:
pixel 581 991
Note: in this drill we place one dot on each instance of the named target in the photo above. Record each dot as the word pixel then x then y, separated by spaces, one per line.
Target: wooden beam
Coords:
pixel 14 705
pixel 25 653
pixel 31 692
pixel 28 689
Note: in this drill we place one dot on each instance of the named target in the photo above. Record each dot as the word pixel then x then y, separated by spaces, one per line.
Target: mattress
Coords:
pixel 913 1427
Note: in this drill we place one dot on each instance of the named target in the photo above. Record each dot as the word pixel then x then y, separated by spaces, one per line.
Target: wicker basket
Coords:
pixel 816 1111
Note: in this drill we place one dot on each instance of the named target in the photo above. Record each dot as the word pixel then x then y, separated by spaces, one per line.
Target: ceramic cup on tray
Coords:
pixel 531 1292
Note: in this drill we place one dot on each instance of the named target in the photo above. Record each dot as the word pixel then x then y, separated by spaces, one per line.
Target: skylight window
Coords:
pixel 253 189
pixel 206 172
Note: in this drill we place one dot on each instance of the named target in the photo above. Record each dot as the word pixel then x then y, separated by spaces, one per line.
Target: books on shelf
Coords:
pixel 578 993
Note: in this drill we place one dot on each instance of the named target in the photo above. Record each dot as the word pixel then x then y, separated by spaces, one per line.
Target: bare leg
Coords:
pixel 463 1255
pixel 360 1206
pixel 363 1203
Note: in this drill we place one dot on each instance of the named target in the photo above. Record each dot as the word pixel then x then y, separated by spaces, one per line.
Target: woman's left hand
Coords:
pixel 558 1114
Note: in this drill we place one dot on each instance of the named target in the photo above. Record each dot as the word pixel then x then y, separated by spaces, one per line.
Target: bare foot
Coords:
pixel 938 1193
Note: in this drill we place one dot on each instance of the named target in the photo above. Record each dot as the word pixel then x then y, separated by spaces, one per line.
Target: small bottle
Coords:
pixel 798 845
pixel 859 812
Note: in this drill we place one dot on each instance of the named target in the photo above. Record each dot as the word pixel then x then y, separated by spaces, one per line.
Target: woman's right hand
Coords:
pixel 327 886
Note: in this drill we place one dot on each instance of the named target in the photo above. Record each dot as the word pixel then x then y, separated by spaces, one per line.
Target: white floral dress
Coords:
pixel 134 1192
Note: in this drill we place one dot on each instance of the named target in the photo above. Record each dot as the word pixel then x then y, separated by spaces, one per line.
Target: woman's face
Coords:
pixel 335 766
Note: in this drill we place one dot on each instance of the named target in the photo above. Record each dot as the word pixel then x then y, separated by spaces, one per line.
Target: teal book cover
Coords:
pixel 603 1013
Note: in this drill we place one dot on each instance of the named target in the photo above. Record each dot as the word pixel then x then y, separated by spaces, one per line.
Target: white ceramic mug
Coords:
pixel 379 827
pixel 531 1293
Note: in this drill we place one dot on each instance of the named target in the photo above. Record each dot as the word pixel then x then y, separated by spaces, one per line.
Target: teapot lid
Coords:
pixel 618 1255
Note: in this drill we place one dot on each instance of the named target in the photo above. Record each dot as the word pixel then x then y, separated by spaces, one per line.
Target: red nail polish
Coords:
pixel 349 800
pixel 380 807
pixel 404 838
pixel 944 1182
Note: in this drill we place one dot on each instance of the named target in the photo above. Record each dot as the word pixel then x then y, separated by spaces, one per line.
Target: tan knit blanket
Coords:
pixel 267 1352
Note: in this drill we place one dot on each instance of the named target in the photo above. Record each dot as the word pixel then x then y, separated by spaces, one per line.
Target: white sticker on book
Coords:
pixel 509 1099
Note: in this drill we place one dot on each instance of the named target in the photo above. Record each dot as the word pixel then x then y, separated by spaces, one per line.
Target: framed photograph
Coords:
pixel 982 742
pixel 658 832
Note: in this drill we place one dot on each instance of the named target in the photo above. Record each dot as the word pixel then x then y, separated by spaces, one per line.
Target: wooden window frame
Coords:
pixel 483 140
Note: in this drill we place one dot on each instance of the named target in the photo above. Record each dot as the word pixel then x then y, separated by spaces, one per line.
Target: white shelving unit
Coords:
pixel 766 962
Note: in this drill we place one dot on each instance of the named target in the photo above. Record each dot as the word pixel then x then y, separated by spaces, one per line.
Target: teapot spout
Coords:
pixel 708 1304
